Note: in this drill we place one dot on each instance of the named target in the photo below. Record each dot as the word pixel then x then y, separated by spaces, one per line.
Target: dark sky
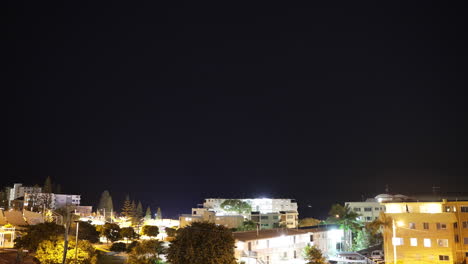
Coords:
pixel 323 102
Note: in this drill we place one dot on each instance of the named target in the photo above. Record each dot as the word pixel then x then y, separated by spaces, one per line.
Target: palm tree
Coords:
pixel 347 220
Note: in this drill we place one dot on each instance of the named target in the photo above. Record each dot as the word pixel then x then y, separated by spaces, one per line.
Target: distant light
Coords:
pixel 400 223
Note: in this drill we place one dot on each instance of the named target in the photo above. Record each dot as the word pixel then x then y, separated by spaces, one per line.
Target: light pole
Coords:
pixel 76 241
pixel 394 241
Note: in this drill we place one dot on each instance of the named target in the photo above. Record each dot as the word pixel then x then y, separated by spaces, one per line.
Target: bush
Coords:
pixel 118 247
pixel 131 246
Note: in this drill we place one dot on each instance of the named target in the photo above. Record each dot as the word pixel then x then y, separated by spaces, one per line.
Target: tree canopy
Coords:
pixel 151 231
pixel 247 226
pixel 111 231
pixel 105 203
pixel 146 252
pixel 128 233
pixel 86 231
pixel 51 252
pixel 236 206
pixel 35 234
pixel 313 255
pixel 202 243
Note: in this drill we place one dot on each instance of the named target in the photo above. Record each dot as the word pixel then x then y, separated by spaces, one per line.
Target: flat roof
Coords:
pixel 267 233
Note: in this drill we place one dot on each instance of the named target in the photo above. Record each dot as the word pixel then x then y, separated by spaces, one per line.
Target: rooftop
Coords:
pixel 267 233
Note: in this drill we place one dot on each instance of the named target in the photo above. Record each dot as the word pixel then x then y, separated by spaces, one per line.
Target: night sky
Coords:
pixel 323 102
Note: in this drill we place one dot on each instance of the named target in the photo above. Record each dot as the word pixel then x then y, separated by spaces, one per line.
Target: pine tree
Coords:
pixel 47 185
pixel 159 214
pixel 148 213
pixel 139 211
pixel 127 207
pixel 105 203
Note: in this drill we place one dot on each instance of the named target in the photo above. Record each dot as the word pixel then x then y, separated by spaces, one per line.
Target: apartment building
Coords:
pixel 18 190
pixel 262 205
pixel 55 201
pixel 229 221
pixel 286 246
pixel 368 211
pixel 426 232
pixel 288 219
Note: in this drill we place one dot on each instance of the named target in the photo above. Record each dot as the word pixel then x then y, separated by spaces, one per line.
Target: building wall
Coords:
pixel 426 231
pixel 281 249
pixel 368 211
pixel 263 205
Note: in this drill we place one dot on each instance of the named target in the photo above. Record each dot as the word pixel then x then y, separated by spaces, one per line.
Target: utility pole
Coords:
pixel 76 241
pixel 65 242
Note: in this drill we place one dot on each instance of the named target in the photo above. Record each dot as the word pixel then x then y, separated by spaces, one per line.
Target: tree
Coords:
pixel 313 255
pixel 35 234
pixel 202 243
pixel 151 231
pixel 236 206
pixel 45 199
pixel 147 252
pixel 51 252
pixel 128 233
pixel 127 207
pixel 105 203
pixel 361 240
pixel 118 247
pixel 247 226
pixel 148 213
pixel 159 214
pixel 111 231
pixel 139 211
pixel 86 231
pixel 171 232
pixel 347 220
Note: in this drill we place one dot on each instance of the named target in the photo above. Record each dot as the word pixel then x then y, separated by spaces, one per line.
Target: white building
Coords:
pixel 56 200
pixel 368 211
pixel 262 205
pixel 19 190
pixel 285 246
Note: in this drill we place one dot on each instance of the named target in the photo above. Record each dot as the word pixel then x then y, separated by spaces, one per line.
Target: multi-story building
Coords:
pixel 55 201
pixel 368 211
pixel 229 221
pixel 18 190
pixel 262 205
pixel 288 219
pixel 285 246
pixel 426 232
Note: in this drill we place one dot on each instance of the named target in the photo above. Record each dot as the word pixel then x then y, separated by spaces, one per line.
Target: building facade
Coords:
pixel 426 232
pixel 54 201
pixel 18 190
pixel 368 211
pixel 262 205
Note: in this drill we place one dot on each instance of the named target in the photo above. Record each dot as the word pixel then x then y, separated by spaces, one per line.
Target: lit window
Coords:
pixel 441 226
pixel 414 242
pixel 427 242
pixel 397 241
pixel 412 225
pixel 443 257
pixel 442 242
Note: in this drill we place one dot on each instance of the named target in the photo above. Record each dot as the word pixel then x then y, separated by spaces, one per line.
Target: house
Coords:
pixel 426 232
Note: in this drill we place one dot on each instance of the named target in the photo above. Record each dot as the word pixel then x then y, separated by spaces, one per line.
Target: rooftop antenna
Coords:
pixel 387 190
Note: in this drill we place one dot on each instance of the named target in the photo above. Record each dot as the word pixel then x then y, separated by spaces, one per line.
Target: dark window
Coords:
pixel 295 254
pixel 368 209
pixel 443 257
pixel 412 225
pixel 464 209
pixel 264 217
pixel 455 225
pixel 311 238
pixel 357 209
pixel 441 226
pixel 465 224
pixel 465 240
pixel 426 225
pixel 457 239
